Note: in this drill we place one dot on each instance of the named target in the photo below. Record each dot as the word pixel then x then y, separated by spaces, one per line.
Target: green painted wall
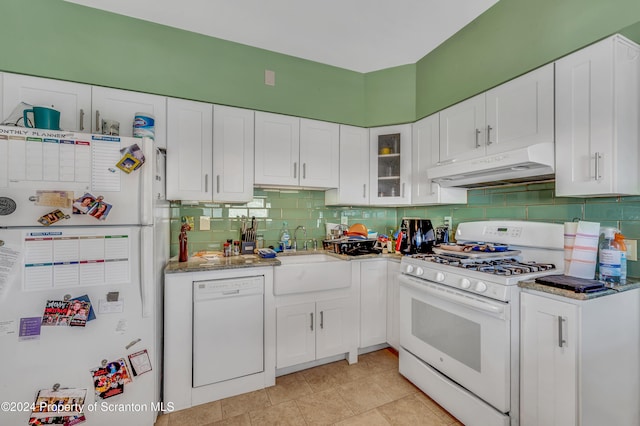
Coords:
pixel 511 38
pixel 52 38
pixel 390 96
pixel 56 39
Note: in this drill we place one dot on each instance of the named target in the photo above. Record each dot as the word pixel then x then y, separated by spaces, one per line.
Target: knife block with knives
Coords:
pixel 248 236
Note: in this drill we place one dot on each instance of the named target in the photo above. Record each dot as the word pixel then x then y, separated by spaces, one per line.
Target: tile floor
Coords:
pixel 370 393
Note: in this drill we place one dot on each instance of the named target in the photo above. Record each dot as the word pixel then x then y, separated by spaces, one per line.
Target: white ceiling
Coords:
pixel 359 35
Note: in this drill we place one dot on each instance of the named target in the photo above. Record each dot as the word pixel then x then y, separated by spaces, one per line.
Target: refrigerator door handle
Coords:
pixel 146 191
pixel 146 270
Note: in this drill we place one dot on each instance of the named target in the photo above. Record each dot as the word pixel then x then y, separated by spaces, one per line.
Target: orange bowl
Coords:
pixel 358 229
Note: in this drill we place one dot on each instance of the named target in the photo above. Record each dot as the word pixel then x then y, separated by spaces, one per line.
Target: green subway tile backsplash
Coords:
pixel 536 202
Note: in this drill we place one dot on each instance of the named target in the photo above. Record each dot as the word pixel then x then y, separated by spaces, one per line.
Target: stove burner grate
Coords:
pixel 499 266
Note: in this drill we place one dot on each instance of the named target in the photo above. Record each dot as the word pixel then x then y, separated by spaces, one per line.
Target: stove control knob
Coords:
pixel 439 277
pixel 480 287
pixel 465 283
pixel 409 269
pixel 419 271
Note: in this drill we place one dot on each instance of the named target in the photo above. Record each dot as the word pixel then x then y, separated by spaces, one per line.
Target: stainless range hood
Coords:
pixel 528 164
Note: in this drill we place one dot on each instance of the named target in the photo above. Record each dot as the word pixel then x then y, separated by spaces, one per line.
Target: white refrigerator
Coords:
pixel 113 254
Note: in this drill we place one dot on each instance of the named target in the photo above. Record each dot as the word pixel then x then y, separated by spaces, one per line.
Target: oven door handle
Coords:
pixel 455 297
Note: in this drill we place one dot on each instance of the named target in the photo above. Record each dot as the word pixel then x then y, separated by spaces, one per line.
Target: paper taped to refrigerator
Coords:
pixel 69 258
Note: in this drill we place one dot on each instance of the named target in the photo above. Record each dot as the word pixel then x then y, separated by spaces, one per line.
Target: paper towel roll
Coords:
pixel 585 250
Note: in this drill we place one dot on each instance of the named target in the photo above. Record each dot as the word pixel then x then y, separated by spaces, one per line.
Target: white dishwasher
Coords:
pixel 228 329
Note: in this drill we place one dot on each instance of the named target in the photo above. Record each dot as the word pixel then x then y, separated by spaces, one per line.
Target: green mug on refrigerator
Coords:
pixel 43 118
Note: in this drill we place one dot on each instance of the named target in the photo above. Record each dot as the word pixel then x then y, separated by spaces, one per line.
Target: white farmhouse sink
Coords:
pixel 308 273
pixel 306 258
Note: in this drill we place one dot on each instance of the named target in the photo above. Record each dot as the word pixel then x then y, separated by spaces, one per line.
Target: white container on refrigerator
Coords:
pixel 80 256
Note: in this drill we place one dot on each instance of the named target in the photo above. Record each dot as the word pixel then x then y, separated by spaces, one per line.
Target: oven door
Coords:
pixel 464 336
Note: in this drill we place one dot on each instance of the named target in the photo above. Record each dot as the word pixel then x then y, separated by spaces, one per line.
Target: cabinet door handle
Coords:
pixel 206 182
pixel 598 157
pixel 477 138
pixel 81 119
pixel 304 170
pixel 489 129
pixel 364 190
pixel 311 321
pixel 97 121
pixel 218 184
pixel 561 339
pixel 445 162
pixel 402 189
pixel 295 170
pixel 322 319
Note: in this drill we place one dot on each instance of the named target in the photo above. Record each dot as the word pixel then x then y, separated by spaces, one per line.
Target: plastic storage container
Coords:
pixel 609 257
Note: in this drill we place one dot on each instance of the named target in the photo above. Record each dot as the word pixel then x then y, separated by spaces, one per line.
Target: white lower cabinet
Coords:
pixel 580 360
pixel 393 304
pixel 313 330
pixel 373 302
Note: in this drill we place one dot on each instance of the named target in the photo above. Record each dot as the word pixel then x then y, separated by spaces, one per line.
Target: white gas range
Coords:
pixel 459 316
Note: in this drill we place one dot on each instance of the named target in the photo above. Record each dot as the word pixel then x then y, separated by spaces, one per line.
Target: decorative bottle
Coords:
pixel 184 253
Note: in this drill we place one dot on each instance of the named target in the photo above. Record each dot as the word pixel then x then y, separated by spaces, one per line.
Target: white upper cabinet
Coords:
pixel 73 100
pixel 390 165
pixel 516 114
pixel 353 188
pixel 190 150
pixel 122 106
pixel 462 130
pixel 290 151
pixel 277 149
pixel 597 120
pixel 232 154
pixel 520 112
pixel 210 154
pixel 319 154
pixel 425 152
pixel 83 107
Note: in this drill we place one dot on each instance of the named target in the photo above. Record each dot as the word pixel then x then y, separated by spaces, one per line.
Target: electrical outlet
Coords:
pixel 632 249
pixel 269 78
pixel 447 221
pixel 344 220
pixel 205 223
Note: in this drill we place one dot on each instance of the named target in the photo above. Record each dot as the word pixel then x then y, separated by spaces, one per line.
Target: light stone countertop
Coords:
pixel 632 283
pixel 197 264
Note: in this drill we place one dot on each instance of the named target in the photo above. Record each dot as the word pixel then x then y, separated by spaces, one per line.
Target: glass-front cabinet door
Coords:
pixel 390 164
